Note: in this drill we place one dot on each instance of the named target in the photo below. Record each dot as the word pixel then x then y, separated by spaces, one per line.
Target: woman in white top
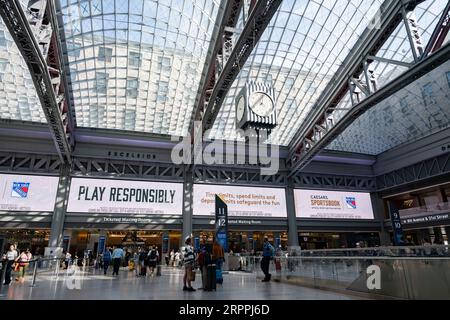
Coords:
pixel 10 257
pixel 188 260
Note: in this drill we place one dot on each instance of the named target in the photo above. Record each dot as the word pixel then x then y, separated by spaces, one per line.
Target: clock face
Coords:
pixel 240 109
pixel 261 104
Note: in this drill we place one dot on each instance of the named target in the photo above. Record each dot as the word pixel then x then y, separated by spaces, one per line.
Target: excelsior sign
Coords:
pixel 241 201
pixel 332 204
pixel 27 193
pixel 120 196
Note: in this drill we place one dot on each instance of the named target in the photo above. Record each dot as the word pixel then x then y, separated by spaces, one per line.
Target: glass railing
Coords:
pixel 425 210
pixel 417 275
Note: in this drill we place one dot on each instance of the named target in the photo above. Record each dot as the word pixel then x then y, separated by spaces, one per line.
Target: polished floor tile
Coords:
pixel 94 285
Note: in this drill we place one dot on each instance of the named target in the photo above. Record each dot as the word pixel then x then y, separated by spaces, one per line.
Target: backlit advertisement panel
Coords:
pixel 332 204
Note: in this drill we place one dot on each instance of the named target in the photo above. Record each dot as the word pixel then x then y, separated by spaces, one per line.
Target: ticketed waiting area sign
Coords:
pixel 241 201
pixel 332 204
pixel 27 193
pixel 121 196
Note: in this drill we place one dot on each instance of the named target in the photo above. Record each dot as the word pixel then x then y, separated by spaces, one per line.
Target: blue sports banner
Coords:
pixel 222 223
pixel 396 224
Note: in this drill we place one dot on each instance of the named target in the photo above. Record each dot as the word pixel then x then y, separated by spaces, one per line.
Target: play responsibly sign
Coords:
pixel 121 196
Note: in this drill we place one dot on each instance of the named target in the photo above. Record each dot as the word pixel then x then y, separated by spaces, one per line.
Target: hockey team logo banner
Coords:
pixel 125 197
pixel 20 189
pixel 27 193
pixel 320 204
pixel 351 202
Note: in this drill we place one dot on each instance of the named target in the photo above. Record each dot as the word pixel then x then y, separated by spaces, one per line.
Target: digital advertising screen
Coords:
pixel 27 193
pixel 241 201
pixel 332 204
pixel 122 196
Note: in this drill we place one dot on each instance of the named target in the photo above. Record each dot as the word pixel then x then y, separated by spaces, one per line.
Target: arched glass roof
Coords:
pixel 18 97
pixel 136 64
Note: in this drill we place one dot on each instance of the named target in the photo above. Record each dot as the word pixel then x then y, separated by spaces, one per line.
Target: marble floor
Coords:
pixel 93 285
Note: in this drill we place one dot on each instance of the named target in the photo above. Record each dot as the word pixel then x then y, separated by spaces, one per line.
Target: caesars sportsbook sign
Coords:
pixel 332 204
pixel 120 196
pixel 27 193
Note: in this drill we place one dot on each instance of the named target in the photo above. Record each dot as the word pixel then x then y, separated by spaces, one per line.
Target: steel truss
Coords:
pixel 33 34
pixel 330 182
pixel 29 163
pixel 422 170
pixel 237 176
pixel 312 147
pixel 356 77
pixel 128 169
pixel 261 12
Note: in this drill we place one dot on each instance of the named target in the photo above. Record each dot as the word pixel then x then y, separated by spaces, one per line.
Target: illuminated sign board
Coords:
pixel 241 201
pixel 121 196
pixel 332 204
pixel 27 193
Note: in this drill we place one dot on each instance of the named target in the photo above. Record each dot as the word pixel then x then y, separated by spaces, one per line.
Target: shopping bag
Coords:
pixel 192 275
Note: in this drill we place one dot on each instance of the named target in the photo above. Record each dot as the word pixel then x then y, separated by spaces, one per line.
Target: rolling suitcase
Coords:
pixel 210 277
pixel 219 277
pixel 158 270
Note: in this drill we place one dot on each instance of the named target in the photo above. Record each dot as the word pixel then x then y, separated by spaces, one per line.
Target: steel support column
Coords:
pixel 59 213
pixel 18 25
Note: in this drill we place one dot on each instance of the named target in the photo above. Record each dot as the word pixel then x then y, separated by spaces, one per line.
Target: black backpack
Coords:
pixel 152 255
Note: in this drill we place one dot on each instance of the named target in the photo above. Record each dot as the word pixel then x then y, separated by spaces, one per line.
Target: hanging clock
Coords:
pixel 255 107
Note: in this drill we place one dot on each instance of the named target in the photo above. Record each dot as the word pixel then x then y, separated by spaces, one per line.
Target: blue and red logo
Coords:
pixel 20 189
pixel 351 202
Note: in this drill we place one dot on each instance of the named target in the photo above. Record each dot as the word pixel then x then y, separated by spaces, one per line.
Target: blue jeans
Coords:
pixel 219 263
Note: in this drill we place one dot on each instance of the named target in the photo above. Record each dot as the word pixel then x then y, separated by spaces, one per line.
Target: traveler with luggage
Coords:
pixel 188 261
pixel 106 257
pixel 142 262
pixel 268 253
pixel 152 257
pixel 117 257
pixel 218 257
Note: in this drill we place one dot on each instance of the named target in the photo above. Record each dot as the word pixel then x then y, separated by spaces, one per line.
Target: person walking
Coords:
pixel 268 253
pixel 172 258
pixel 8 261
pixel 152 257
pixel 142 262
pixel 117 257
pixel 188 261
pixel 106 257
pixel 24 261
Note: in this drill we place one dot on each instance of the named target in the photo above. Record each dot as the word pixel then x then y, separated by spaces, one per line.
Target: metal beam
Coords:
pixel 385 60
pixel 226 17
pixel 419 70
pixel 439 34
pixel 391 15
pixel 17 23
pixel 260 16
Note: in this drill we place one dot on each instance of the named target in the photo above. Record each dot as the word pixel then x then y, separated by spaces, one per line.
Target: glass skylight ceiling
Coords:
pixel 397 48
pixel 18 97
pixel 136 64
pixel 418 110
pixel 299 52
